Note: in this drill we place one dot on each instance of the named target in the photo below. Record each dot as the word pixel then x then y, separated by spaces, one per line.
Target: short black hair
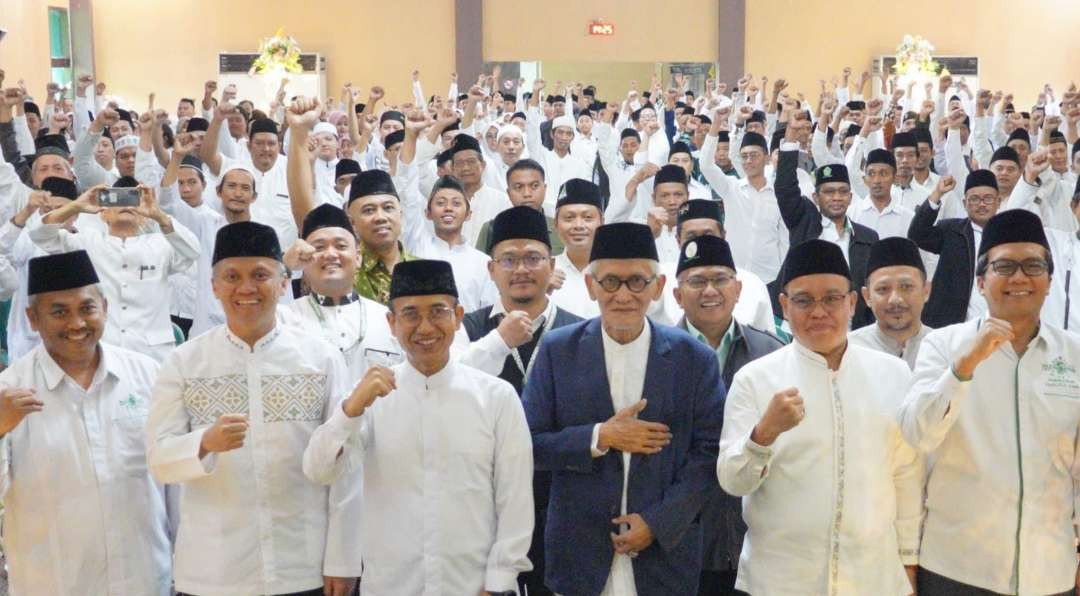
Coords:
pixel 525 164
pixel 187 100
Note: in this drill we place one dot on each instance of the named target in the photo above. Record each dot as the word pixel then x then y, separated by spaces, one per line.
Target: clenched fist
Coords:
pixel 785 411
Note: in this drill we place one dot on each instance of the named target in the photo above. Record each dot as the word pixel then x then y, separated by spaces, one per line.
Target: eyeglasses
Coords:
pixel 829 192
pixel 1030 267
pixel 635 283
pixel 698 282
pixel 437 314
pixel 985 201
pixel 830 302
pixel 532 262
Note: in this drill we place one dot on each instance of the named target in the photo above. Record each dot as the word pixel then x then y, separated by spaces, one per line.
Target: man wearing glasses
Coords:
pixel 521 267
pixel 996 403
pixel 626 414
pixel 445 455
pixel 707 292
pixel 825 216
pixel 954 296
pixel 832 495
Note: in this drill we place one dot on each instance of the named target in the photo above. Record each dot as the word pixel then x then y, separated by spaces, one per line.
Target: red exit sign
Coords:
pixel 601 29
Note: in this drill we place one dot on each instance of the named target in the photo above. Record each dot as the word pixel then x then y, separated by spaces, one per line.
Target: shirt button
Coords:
pixel 123 307
pixel 124 266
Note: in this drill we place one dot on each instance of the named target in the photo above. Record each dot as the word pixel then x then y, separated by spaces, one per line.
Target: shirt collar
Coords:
pixel 726 340
pixel 816 358
pixel 370 260
pixel 827 223
pixel 867 204
pixel 54 374
pixel 328 301
pixel 439 380
pixel 260 345
pixel 612 346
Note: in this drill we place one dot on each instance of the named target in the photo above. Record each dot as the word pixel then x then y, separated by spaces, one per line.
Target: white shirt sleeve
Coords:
pixel 173 447
pixel 743 464
pixel 935 397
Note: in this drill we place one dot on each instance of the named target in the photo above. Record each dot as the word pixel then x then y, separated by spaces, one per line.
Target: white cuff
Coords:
pixel 596 452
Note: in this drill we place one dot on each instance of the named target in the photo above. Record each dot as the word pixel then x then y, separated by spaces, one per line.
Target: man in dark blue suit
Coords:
pixel 626 414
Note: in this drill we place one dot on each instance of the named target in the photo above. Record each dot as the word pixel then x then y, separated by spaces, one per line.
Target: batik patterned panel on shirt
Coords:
pixel 208 398
pixel 293 398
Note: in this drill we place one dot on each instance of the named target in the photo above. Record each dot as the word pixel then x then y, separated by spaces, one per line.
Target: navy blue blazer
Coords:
pixel 565 396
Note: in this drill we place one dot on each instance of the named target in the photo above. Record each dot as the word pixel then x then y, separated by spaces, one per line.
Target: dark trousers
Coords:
pixel 531 583
pixel 717 583
pixel 932 584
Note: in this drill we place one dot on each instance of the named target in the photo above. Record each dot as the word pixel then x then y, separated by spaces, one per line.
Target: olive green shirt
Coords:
pixel 556 242
pixel 373 278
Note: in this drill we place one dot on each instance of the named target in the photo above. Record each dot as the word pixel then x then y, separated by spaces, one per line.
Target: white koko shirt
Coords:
pixel 81 513
pixel 447 464
pixel 1001 497
pixel 834 505
pixel 251 523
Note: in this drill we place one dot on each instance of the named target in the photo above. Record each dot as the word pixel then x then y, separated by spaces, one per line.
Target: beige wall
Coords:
pixel 171 47
pixel 24 53
pixel 1019 48
pixel 610 78
pixel 645 30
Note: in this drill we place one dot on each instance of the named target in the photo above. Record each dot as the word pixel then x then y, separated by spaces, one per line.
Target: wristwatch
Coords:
pixel 503 593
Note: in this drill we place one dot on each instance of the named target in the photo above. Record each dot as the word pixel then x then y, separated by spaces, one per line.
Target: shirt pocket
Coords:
pixel 294 398
pixel 130 448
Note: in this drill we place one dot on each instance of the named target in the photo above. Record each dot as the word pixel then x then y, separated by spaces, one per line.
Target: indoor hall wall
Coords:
pixel 24 52
pixel 1020 46
pixel 171 47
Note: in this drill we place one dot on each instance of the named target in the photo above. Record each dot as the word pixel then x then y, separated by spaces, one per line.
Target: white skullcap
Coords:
pixel 237 166
pixel 563 121
pixel 324 127
pixel 126 141
pixel 507 130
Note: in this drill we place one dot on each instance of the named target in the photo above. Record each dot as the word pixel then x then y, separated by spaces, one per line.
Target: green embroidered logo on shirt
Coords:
pixel 1061 376
pixel 131 402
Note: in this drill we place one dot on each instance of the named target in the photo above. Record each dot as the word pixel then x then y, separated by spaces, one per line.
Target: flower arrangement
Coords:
pixel 914 56
pixel 278 53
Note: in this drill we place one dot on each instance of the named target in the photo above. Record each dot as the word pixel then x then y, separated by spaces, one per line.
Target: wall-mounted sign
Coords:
pixel 602 29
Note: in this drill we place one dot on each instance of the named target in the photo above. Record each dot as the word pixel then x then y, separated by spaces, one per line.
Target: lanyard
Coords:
pixel 548 324
pixel 317 309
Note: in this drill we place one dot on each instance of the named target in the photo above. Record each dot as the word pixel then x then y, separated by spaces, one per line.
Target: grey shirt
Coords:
pixel 871 336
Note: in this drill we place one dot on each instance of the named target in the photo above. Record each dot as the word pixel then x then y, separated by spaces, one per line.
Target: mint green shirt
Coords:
pixel 724 349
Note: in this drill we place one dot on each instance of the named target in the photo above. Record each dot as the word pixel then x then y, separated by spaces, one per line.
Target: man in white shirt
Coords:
pixel 270 167
pixel 753 307
pixel 896 290
pixel 467 165
pixel 434 230
pixel 578 213
pixel 328 255
pixel 995 405
pixel 881 210
pixel 445 454
pixel 231 414
pixel 81 513
pixel 670 192
pixel 832 494
pixel 326 158
pixel 626 415
pixel 525 185
pixel 906 191
pixel 559 163
pixel 136 265
pixel 758 237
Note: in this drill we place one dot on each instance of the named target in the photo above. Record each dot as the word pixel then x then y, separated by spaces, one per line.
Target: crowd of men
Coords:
pixel 533 342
